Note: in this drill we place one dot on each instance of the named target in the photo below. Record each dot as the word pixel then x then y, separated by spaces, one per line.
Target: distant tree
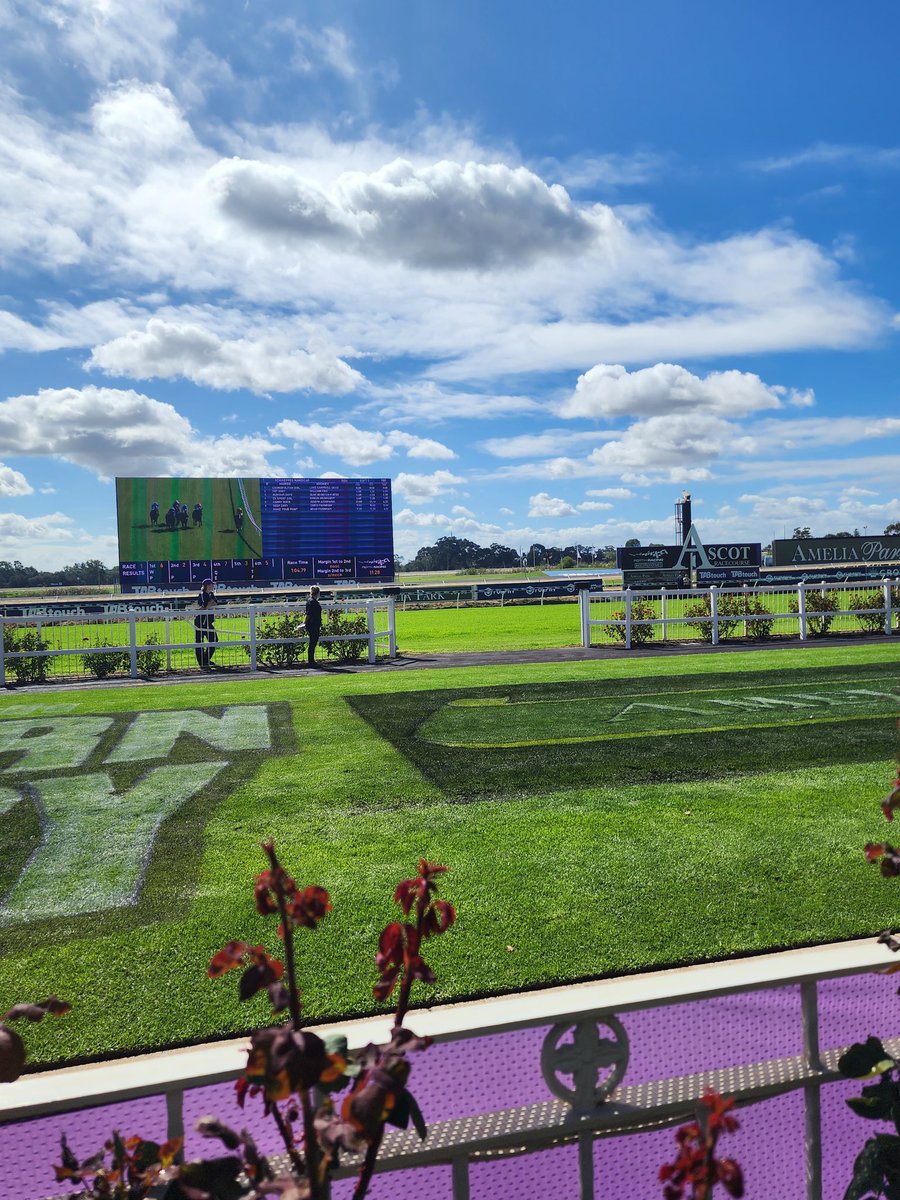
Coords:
pixel 893 529
pixel 536 553
pixel 459 554
pixel 633 542
pixel 842 533
pixel 801 532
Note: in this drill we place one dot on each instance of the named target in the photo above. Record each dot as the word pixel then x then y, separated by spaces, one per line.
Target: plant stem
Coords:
pixel 365 1174
pixel 310 1144
pixel 287 1137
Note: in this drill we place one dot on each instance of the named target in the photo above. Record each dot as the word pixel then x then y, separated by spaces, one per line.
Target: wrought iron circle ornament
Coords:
pixel 595 1061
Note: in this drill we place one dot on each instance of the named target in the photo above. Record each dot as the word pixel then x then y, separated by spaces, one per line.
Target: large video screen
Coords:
pixel 176 532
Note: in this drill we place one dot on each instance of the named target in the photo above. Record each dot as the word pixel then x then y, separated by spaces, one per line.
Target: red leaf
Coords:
pixel 309 907
pixel 227 959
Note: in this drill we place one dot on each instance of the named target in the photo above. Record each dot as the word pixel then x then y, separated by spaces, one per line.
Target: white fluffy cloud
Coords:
pixel 545 505
pixel 614 493
pixel 447 216
pixel 608 391
pixel 418 489
pixel 105 36
pixel 13 483
pixel 341 230
pixel 169 350
pixel 529 445
pixel 17 531
pixel 359 447
pixel 670 447
pixel 113 432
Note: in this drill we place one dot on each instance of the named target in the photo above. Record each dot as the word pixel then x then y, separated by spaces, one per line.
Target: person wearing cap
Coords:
pixel 204 630
pixel 312 623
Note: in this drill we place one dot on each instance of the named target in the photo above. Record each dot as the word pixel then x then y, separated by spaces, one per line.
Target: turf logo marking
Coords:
pixel 98 826
pixel 506 722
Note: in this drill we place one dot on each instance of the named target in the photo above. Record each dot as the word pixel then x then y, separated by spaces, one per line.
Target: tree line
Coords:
pixel 459 554
pixel 90 573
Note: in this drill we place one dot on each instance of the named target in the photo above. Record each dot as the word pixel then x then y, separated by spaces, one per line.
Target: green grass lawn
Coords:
pixel 464 630
pixel 598 817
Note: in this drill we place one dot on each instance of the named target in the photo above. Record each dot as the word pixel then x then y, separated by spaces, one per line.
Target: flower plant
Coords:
pixel 696 1170
pixel 876 1171
pixel 297 1075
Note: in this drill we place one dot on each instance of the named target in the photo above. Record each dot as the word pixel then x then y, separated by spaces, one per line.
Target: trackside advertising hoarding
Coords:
pixel 173 533
pixel 805 553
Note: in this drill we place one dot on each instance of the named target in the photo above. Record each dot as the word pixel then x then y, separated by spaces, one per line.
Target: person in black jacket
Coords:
pixel 203 625
pixel 312 623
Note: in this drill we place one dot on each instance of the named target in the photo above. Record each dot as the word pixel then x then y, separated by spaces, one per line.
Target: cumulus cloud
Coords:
pixel 171 350
pixel 13 483
pixel 545 505
pixel 417 489
pixel 527 445
pixel 360 447
pixel 447 215
pixel 684 442
pixel 614 493
pixel 113 432
pixel 607 391
pixel 17 531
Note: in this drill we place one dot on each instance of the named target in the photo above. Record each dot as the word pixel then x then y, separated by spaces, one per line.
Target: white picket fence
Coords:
pixel 624 616
pixel 60 646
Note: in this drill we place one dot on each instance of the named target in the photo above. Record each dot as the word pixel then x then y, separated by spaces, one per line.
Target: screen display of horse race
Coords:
pixel 174 533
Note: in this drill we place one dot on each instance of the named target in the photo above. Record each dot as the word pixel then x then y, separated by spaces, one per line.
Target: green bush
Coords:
pixel 641 610
pixel 150 661
pixel 730 610
pixel 289 640
pixel 103 660
pixel 29 669
pixel 870 621
pixel 338 624
pixel 759 619
pixel 825 604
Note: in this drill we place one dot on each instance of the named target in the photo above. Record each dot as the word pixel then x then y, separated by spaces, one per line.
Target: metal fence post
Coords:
pixel 370 623
pixel 2 652
pixel 809 1005
pixel 175 1117
pixel 392 626
pixel 888 613
pixel 665 613
pixel 714 613
pixel 586 1166
pixel 461 1178
pixel 628 619
pixel 132 643
pixel 168 624
pixel 584 604
pixel 801 609
pixel 252 615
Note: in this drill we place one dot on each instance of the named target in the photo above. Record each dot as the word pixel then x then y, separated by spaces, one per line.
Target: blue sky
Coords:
pixel 546 268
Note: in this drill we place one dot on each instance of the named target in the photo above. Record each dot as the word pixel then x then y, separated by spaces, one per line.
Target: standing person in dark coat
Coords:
pixel 312 623
pixel 203 625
